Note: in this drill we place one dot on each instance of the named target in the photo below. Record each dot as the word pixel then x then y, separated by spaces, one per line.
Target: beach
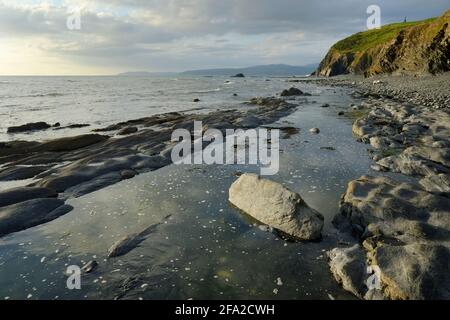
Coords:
pixel 110 178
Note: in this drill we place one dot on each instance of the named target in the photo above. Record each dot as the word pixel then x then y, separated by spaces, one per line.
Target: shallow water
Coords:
pixel 207 249
pixel 100 101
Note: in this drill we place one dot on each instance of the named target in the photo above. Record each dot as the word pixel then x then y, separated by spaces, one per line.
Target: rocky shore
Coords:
pixel 75 166
pixel 402 229
pixel 400 226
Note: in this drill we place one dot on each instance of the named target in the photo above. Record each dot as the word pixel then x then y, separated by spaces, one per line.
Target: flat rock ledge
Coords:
pixel 74 166
pixel 404 231
pixel 27 214
pixel 273 204
pixel 409 139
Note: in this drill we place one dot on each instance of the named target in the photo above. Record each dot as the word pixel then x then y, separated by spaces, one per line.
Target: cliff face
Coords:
pixel 414 47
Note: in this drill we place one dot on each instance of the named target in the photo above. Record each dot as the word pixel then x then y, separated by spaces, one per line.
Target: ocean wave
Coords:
pixel 204 91
pixel 42 95
pixel 9 105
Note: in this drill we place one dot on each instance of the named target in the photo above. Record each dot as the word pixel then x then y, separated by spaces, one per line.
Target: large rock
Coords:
pixel 127 130
pixel 21 172
pixel 291 92
pixel 30 213
pixel 97 175
pixel 348 266
pixel 370 200
pixel 70 143
pixel 274 205
pixel 415 271
pixel 405 231
pixel 93 185
pixel 20 194
pixel 34 126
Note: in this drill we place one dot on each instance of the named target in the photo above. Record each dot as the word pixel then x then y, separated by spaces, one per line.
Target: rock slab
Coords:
pixel 30 213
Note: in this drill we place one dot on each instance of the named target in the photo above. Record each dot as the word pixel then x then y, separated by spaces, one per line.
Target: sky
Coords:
pixel 100 37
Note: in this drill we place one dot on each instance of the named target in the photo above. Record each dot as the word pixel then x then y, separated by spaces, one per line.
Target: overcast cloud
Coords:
pixel 174 35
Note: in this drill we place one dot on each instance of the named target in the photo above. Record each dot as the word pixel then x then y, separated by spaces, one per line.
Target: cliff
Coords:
pixel 410 47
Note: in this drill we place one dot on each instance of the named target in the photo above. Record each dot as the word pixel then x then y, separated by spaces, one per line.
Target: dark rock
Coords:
pixel 16 147
pixel 129 243
pixel 70 143
pixel 239 75
pixel 93 185
pixel 326 105
pixel 291 92
pixel 196 100
pixel 127 174
pixel 86 163
pixel 287 131
pixel 20 194
pixel 90 266
pixel 98 176
pixel 127 130
pixel 21 172
pixel 34 126
pixel 73 126
pixel 30 213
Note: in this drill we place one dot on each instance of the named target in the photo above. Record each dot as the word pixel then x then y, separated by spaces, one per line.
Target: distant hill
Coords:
pixel 146 74
pixel 410 47
pixel 264 70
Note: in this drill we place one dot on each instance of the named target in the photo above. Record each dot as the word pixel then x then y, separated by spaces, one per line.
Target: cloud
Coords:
pixel 180 34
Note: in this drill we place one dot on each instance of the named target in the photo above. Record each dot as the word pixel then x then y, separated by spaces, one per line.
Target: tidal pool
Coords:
pixel 206 249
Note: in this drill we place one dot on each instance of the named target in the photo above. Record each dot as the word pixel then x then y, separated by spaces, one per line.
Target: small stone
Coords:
pixel 127 174
pixel 90 266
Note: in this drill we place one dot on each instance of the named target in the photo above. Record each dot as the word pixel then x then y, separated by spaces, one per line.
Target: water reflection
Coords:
pixel 207 249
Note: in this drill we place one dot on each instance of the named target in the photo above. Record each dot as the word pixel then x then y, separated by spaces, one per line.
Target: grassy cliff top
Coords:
pixel 371 38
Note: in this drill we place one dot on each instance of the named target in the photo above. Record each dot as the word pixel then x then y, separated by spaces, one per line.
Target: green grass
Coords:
pixel 371 38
